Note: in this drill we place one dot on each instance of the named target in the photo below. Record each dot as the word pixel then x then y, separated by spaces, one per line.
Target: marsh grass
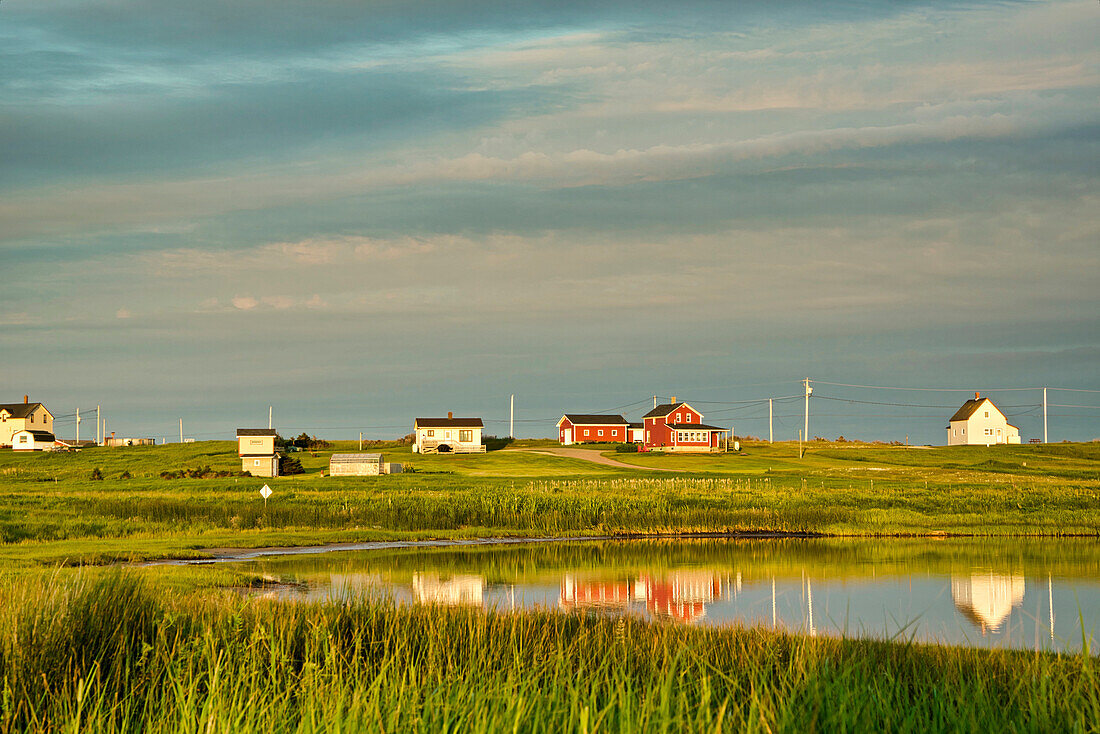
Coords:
pixel 104 653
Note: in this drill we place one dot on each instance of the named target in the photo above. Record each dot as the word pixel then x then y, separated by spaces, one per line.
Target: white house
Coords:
pixel 256 449
pixel 33 441
pixel 448 435
pixel 24 416
pixel 979 423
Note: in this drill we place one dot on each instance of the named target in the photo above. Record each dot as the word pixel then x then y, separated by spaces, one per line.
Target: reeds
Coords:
pixel 108 654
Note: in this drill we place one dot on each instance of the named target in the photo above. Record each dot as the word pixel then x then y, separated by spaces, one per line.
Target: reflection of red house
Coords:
pixel 682 595
pixel 679 427
pixel 595 594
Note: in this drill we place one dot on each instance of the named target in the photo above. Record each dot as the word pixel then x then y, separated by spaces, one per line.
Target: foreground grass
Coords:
pixel 105 654
pixel 51 512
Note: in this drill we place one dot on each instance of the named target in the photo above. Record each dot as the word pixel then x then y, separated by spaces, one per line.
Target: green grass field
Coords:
pixel 52 512
pixel 104 652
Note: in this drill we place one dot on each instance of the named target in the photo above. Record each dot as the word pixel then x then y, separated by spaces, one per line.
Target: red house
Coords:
pixel 581 428
pixel 679 427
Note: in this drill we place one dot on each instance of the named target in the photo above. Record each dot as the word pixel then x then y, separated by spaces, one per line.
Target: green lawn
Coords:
pixel 51 511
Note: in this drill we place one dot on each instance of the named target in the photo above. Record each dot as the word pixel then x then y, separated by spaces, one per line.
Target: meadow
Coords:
pixel 103 651
pixel 52 511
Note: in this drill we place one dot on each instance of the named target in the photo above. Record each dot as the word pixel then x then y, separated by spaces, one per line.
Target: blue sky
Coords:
pixel 362 212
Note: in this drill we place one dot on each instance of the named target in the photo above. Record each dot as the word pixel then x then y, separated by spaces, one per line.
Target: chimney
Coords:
pixel 977 395
pixel 26 399
pixel 674 400
pixel 450 415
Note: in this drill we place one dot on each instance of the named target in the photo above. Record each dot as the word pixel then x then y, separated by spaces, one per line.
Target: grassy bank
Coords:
pixel 103 653
pixel 52 512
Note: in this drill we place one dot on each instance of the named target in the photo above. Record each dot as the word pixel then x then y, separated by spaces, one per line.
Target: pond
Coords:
pixel 995 593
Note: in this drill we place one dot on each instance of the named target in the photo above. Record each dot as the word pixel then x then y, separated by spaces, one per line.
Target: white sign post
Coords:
pixel 265 492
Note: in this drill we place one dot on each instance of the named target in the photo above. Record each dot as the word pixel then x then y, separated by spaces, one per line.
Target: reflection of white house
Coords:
pixel 462 590
pixel 987 599
pixel 448 435
pixel 979 423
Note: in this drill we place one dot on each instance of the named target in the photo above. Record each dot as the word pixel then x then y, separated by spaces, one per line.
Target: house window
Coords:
pixel 22 439
pixel 448 434
pixel 586 431
pixel 256 462
pixel 987 414
pixel 466 435
pixel 647 436
pixel 998 431
pixel 600 432
pixel 431 432
pixel 32 417
pixel 964 431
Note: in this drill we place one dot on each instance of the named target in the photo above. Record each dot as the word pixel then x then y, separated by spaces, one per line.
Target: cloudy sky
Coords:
pixel 361 212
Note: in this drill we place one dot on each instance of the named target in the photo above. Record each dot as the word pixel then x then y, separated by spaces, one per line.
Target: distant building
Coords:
pixel 360 465
pixel 112 441
pixel 677 426
pixel 256 448
pixel 448 435
pixel 589 428
pixel 33 441
pixel 24 416
pixel 979 423
pixel 987 599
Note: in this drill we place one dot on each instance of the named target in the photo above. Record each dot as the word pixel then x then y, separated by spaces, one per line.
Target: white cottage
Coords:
pixel 33 441
pixel 448 435
pixel 979 423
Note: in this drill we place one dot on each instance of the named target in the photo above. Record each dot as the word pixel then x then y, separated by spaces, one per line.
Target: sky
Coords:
pixel 364 212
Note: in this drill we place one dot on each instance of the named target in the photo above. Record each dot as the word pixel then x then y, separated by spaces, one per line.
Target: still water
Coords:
pixel 1015 593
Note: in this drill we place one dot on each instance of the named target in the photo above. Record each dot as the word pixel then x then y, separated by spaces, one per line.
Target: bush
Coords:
pixel 288 466
pixel 97 474
pixel 125 475
pixel 626 448
pixel 493 443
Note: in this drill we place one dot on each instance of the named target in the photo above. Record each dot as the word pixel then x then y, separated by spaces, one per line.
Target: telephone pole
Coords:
pixel 1044 415
pixel 512 418
pixel 98 433
pixel 269 411
pixel 809 390
pixel 78 426
pixel 769 420
pixel 181 430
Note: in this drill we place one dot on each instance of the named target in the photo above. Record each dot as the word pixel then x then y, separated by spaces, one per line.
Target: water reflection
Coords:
pixel 1020 594
pixel 986 599
pixel 681 596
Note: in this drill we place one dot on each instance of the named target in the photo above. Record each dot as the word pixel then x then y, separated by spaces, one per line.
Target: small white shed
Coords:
pixel 356 465
pixel 32 441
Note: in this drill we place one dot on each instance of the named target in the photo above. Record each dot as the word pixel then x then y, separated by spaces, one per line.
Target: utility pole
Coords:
pixel 98 434
pixel 806 428
pixel 769 420
pixel 1044 415
pixel 78 426
pixel 512 418
pixel 360 440
pixel 181 430
pixel 269 411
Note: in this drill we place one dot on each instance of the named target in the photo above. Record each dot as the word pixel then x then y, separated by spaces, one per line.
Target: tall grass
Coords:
pixel 106 654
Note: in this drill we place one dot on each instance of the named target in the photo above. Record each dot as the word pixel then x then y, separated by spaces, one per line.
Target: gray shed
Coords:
pixel 356 465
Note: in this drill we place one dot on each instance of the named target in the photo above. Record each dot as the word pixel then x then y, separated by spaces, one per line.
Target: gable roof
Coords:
pixel 969 408
pixel 255 432
pixel 666 408
pixel 448 423
pixel 354 458
pixel 22 410
pixel 594 419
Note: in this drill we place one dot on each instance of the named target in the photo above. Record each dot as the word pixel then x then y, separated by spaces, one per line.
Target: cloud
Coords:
pixel 122 313
pixel 244 303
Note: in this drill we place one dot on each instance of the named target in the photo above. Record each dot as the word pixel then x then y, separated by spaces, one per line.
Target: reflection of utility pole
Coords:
pixel 773 602
pixel 1050 595
pixel 810 606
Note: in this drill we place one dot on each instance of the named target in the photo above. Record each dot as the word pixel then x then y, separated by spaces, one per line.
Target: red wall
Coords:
pixel 611 433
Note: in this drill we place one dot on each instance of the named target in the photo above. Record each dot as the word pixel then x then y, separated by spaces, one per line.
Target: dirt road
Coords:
pixel 589 455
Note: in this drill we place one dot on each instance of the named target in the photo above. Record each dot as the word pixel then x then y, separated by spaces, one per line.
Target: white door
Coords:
pixel 568 437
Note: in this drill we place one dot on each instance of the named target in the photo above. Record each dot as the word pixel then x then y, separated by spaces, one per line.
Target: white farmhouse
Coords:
pixel 979 423
pixel 24 416
pixel 448 435
pixel 33 441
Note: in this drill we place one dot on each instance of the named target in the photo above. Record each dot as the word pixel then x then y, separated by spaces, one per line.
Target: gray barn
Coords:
pixel 356 465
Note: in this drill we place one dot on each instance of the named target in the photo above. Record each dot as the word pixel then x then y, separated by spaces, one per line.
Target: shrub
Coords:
pixel 494 443
pixel 626 448
pixel 125 475
pixel 97 474
pixel 288 465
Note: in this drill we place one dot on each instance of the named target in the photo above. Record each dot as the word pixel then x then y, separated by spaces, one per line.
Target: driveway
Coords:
pixel 590 455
